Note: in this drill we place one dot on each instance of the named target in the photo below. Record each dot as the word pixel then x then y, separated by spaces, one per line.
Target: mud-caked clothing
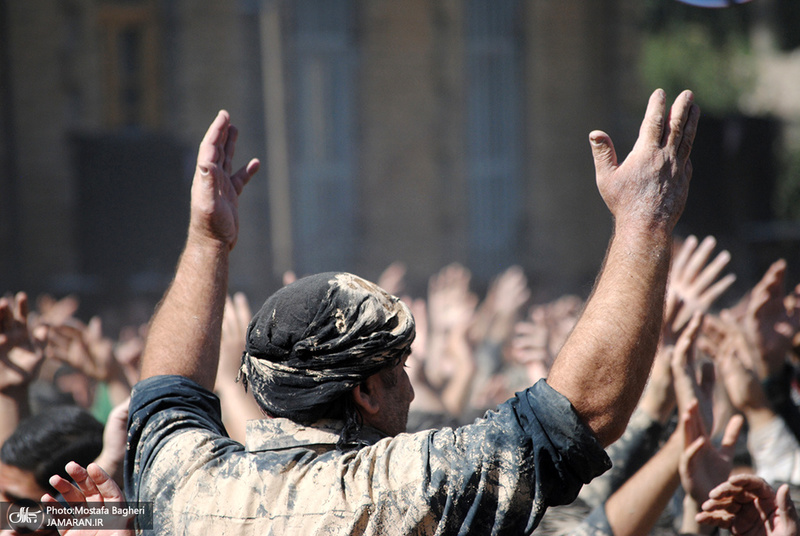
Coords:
pixel 495 476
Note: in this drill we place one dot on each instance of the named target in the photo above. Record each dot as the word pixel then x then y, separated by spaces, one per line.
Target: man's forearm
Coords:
pixel 603 366
pixel 184 335
pixel 635 507
pixel 13 407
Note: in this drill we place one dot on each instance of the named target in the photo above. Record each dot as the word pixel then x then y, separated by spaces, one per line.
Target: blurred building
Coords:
pixel 424 131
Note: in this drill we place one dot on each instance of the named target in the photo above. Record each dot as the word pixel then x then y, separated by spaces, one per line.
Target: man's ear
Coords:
pixel 365 396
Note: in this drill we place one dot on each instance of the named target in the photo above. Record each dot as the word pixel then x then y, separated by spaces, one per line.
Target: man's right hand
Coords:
pixel 648 190
pixel 215 190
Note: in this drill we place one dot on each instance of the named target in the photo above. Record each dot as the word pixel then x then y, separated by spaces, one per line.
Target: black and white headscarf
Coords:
pixel 319 337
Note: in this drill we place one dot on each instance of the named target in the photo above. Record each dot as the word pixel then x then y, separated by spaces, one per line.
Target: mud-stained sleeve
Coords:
pixel 161 407
pixel 495 476
pixel 565 452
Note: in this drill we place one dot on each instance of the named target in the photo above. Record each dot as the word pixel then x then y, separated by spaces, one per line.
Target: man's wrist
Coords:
pixel 203 241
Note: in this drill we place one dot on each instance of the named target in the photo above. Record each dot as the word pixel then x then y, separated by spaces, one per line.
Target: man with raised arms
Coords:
pixel 324 359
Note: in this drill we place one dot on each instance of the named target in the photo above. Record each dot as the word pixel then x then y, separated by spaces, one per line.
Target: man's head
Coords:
pixel 42 445
pixel 320 342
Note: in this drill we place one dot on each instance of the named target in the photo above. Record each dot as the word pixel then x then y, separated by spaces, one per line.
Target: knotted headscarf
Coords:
pixel 317 338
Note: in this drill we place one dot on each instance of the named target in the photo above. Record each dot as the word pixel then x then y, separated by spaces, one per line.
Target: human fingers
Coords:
pixel 750 483
pixel 242 308
pixel 84 481
pixel 6 318
pixel 727 495
pixel 229 319
pixel 21 307
pixel 230 148
pixel 710 273
pixel 730 436
pixel 711 270
pixel 70 492
pixel 691 424
pixel 392 279
pixel 690 461
pixel 682 257
pixel 720 512
pixel 768 286
pixel 210 148
pixel 717 289
pixel 105 485
pixel 245 173
pixel 689 133
pixel 786 508
pixel 677 120
pixel 288 278
pixel 605 157
pixel 652 128
pixel 683 355
pixel 699 257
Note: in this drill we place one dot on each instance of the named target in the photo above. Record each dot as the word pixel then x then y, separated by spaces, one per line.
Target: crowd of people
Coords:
pixel 712 443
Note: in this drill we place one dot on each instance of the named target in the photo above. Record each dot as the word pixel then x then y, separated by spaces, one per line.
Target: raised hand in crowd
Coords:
pixel 91 485
pixel 646 195
pixel 54 312
pixel 737 362
pixel 21 357
pixel 128 351
pixel 451 310
pixel 392 279
pixel 694 284
pixel 769 325
pixel 747 506
pixel 702 466
pixel 237 406
pixel 115 436
pixel 213 231
pixel 530 345
pixel 86 349
pixel 426 399
pixel 499 311
pixel 774 448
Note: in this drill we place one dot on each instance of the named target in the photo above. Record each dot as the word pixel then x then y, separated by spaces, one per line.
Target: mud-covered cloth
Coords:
pixel 317 338
pixel 495 476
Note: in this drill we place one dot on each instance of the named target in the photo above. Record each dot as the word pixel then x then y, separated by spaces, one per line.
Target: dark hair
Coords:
pixel 44 443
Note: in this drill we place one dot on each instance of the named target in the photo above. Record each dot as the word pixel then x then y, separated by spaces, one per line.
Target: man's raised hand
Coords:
pixel 650 187
pixel 215 189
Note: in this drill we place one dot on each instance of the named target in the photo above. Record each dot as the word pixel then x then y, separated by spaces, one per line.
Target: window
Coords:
pixel 322 98
pixel 129 53
pixel 493 133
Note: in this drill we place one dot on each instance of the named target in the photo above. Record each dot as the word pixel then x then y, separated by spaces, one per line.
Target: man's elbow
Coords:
pixel 609 426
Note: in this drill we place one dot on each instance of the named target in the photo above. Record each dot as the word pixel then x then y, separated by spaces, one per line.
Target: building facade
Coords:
pixel 421 131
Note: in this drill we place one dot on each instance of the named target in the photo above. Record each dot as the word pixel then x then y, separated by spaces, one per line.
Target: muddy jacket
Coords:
pixel 495 476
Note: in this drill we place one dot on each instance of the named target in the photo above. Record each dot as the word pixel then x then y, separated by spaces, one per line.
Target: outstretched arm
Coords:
pixel 184 335
pixel 604 364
